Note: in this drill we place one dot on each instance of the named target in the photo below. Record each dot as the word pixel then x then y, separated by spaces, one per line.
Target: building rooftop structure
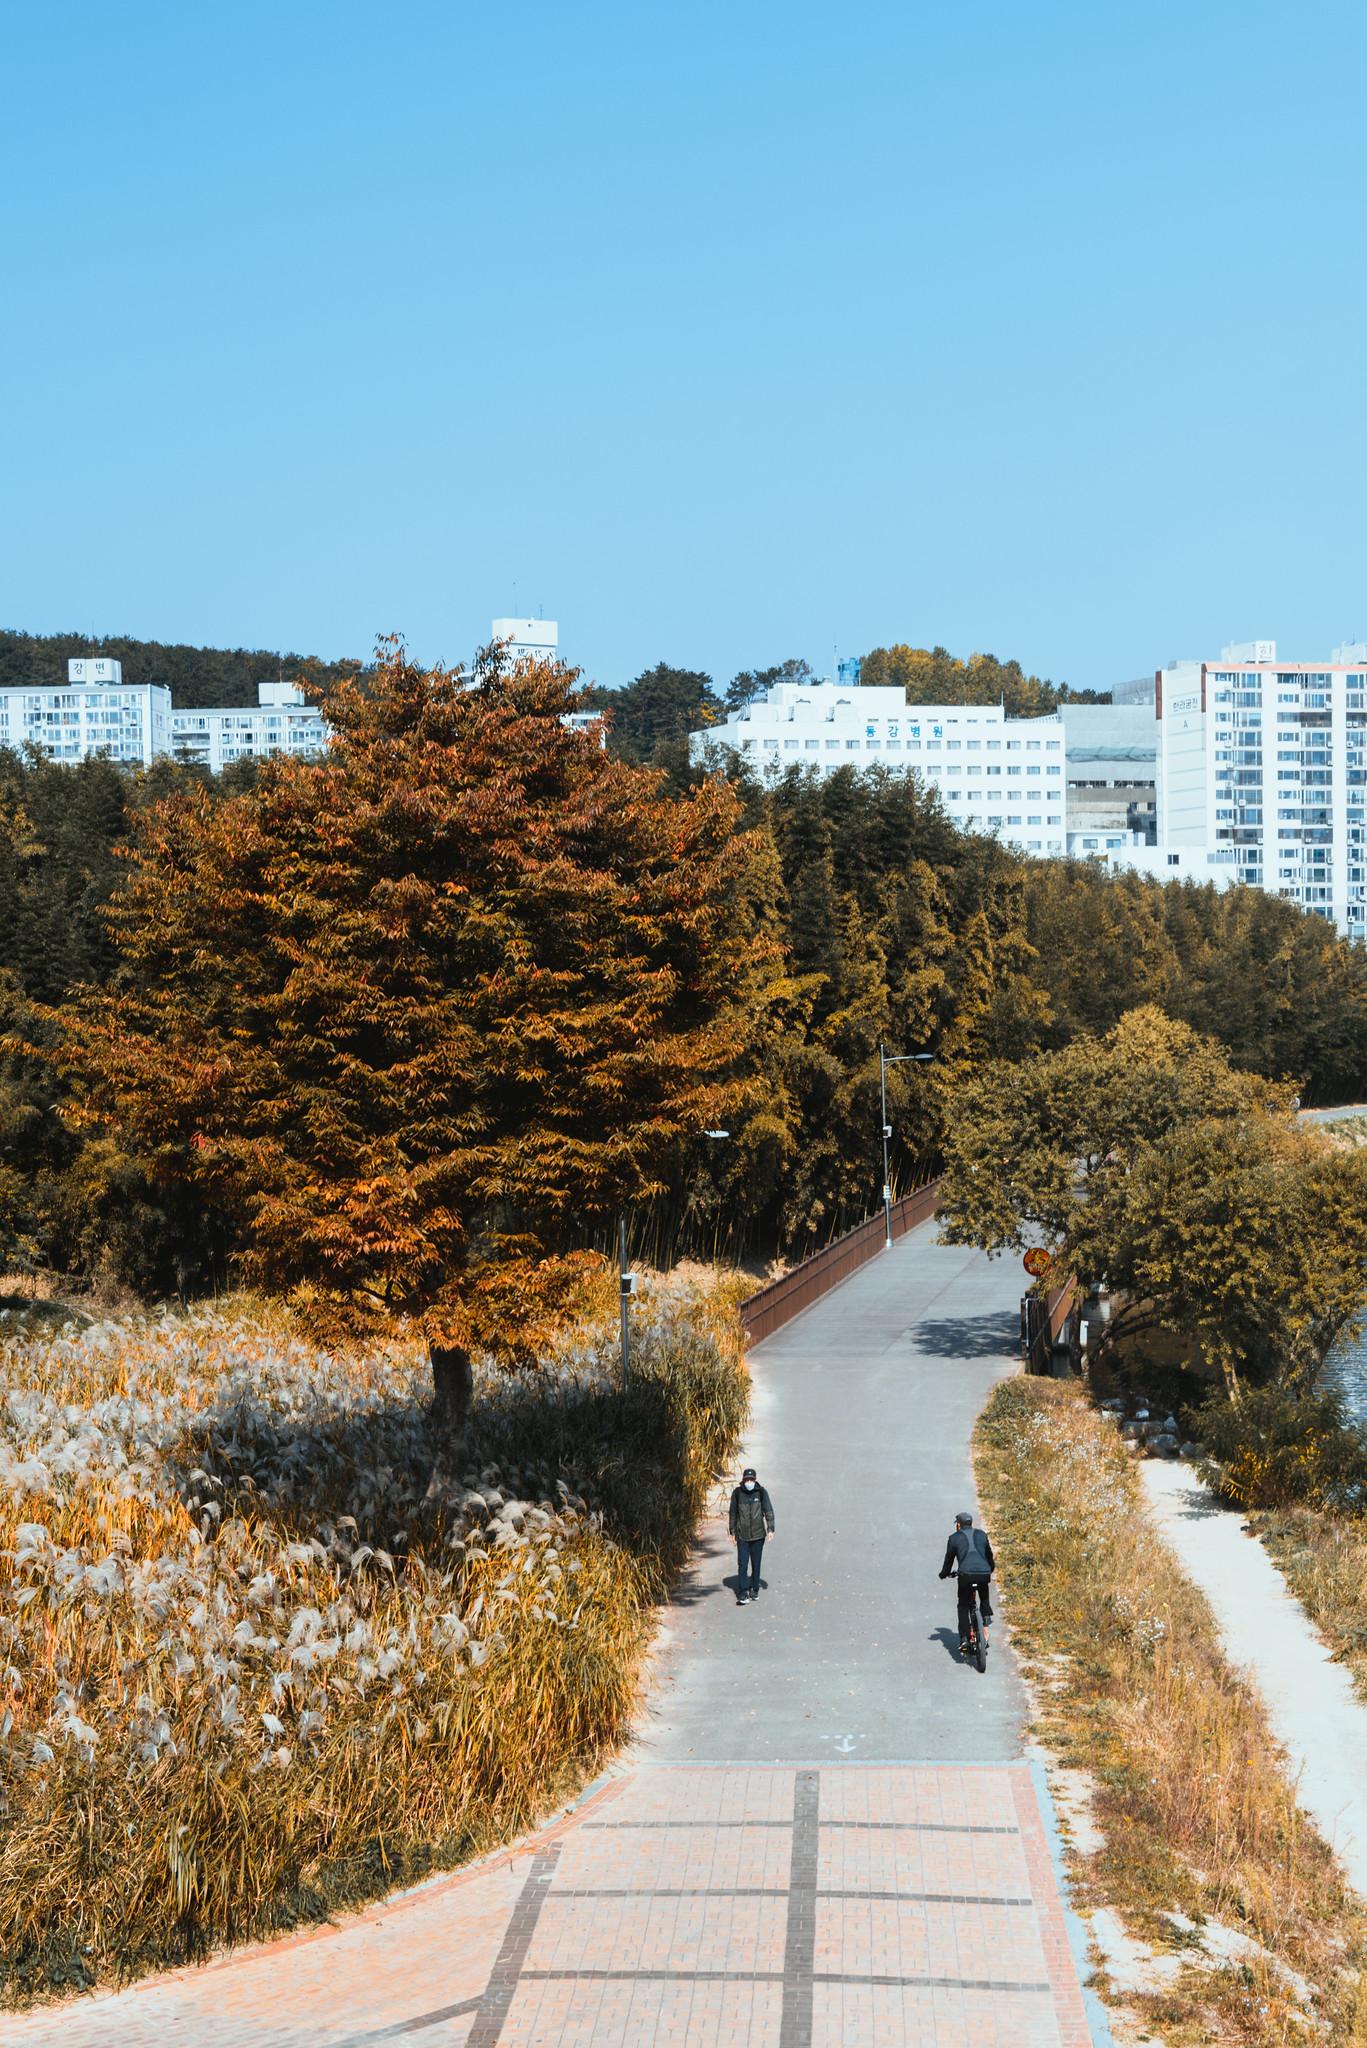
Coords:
pixel 527 639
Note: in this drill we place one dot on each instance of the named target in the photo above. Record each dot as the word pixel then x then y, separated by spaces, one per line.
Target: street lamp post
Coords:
pixel 886 1060
pixel 627 1284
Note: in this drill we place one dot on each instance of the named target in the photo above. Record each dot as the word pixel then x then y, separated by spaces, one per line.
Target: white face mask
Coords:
pixel 749 1486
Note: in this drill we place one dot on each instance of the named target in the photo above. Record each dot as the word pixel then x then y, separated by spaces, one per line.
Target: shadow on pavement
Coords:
pixel 962 1337
pixel 950 1638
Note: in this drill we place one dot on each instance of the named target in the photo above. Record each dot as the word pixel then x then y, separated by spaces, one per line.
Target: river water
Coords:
pixel 1347 1370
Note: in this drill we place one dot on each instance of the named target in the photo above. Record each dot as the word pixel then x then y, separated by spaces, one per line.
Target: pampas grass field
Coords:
pixel 247 1675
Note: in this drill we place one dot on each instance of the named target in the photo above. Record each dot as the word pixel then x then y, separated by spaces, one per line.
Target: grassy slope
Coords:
pixel 1193 1804
pixel 1324 1561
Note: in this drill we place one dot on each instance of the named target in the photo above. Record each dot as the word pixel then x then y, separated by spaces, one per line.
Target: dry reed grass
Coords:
pixel 1193 1802
pixel 246 1676
pixel 1324 1561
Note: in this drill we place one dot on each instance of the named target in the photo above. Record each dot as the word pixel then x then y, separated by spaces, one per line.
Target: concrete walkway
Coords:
pixel 826 1836
pixel 1310 1700
pixel 863 1411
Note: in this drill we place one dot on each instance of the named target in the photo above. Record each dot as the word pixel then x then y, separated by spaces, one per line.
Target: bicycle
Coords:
pixel 977 1638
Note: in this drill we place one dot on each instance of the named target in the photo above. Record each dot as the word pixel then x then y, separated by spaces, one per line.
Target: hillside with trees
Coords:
pixel 932 675
pixel 887 923
pixel 195 676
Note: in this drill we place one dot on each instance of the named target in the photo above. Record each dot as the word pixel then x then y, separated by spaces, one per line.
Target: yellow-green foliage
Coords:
pixel 1193 1799
pixel 246 1676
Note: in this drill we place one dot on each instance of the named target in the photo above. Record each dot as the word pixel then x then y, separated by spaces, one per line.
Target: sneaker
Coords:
pixel 963 1649
pixel 753 1594
pixel 740 1599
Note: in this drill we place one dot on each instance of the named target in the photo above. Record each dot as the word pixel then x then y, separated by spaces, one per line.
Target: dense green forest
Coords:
pixel 195 676
pixel 893 925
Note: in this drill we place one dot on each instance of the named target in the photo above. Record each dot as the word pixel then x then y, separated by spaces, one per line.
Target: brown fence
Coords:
pixel 783 1299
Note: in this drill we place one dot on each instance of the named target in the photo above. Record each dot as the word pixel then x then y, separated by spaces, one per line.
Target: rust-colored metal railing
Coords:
pixel 783 1299
pixel 1049 1326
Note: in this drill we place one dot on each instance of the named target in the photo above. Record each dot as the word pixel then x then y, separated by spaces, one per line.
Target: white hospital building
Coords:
pixel 1264 762
pixel 991 772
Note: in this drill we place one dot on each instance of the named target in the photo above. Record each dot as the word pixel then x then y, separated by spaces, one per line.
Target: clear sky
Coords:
pixel 721 332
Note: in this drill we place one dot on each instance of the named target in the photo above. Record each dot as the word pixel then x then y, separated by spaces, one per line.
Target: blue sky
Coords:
pixel 721 333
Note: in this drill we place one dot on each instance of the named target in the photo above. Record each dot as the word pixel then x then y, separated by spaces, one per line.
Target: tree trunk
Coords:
pixel 453 1385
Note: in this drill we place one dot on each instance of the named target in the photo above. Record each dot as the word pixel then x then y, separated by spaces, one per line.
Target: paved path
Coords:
pixel 1310 1700
pixel 825 1837
pixel 863 1411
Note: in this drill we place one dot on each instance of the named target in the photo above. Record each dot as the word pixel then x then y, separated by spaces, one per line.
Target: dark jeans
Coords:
pixel 748 1557
pixel 966 1586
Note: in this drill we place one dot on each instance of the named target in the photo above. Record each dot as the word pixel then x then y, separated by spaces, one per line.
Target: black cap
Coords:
pixel 748 1473
pixel 964 1520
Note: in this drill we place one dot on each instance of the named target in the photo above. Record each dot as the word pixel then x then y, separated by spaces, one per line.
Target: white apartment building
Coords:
pixel 991 772
pixel 281 722
pixel 97 713
pixel 1267 758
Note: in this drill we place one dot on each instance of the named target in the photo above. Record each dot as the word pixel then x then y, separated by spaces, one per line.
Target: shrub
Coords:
pixel 1274 1448
pixel 247 1676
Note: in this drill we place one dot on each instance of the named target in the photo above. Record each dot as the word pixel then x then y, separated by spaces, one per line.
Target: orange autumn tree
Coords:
pixel 423 1013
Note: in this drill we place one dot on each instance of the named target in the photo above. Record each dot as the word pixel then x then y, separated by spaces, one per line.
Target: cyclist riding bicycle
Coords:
pixel 969 1552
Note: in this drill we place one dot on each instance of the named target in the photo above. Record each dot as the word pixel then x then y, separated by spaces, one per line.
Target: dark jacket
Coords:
pixel 752 1514
pixel 971 1551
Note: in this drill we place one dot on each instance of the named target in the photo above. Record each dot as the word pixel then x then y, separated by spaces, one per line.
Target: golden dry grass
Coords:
pixel 245 1675
pixel 1324 1561
pixel 1193 1800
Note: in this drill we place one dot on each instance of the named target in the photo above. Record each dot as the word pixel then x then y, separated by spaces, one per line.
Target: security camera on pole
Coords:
pixel 886 1060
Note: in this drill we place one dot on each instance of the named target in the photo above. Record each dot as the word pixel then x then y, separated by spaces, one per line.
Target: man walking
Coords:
pixel 969 1550
pixel 752 1517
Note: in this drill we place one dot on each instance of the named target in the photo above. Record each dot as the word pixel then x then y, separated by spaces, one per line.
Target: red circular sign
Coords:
pixel 1036 1262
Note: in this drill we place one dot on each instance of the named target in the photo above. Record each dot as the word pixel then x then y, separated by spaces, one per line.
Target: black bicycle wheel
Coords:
pixel 980 1647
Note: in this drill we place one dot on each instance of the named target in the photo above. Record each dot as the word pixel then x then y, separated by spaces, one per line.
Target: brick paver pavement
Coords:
pixel 724 1906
